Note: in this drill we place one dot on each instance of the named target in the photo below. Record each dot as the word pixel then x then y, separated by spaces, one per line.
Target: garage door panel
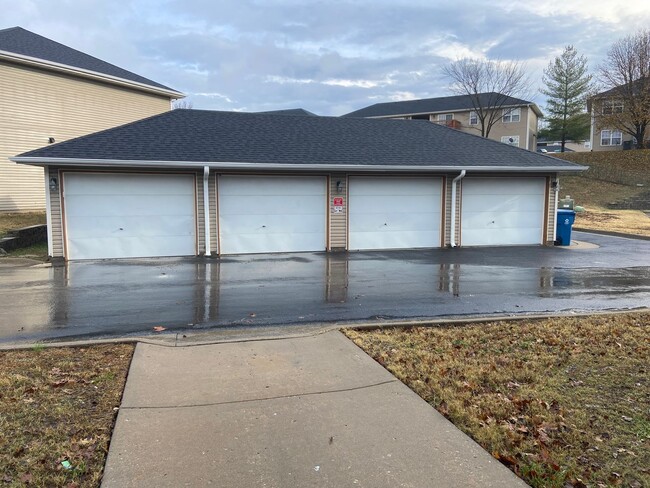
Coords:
pixel 396 240
pixel 259 214
pixel 393 222
pixel 501 220
pixel 395 187
pixel 260 186
pixel 497 237
pixel 265 224
pixel 394 212
pixel 126 246
pixel 502 211
pixel 125 184
pixel 376 204
pixel 129 205
pixel 500 203
pixel 120 227
pixel 273 205
pixel 129 215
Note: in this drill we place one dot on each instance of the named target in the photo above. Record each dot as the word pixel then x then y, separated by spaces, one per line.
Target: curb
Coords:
pixel 171 340
pixel 612 233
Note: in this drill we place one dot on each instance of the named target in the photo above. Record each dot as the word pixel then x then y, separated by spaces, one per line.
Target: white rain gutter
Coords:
pixel 48 212
pixel 454 183
pixel 206 208
pixel 135 163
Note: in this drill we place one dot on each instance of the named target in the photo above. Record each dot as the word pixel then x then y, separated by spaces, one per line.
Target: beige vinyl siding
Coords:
pixel 200 214
pixel 38 104
pixel 56 215
pixel 214 229
pixel 447 211
pixel 338 221
pixel 550 222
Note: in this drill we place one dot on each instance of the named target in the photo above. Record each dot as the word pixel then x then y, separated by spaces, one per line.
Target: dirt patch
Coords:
pixel 57 409
pixel 562 402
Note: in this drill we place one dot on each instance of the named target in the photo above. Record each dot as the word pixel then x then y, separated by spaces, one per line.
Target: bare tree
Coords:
pixel 182 104
pixel 626 74
pixel 489 86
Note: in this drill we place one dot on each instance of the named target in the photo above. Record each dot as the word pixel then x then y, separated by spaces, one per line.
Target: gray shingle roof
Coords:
pixel 290 111
pixel 21 41
pixel 433 105
pixel 226 137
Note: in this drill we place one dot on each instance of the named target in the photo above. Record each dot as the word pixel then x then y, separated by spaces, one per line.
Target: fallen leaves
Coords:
pixel 562 402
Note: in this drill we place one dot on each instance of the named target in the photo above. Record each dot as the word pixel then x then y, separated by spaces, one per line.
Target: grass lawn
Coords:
pixel 9 221
pixel 562 402
pixel 36 251
pixel 613 176
pixel 57 408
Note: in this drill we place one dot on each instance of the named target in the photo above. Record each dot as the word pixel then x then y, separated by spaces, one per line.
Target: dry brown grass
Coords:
pixel 10 221
pixel 562 402
pixel 56 406
pixel 625 221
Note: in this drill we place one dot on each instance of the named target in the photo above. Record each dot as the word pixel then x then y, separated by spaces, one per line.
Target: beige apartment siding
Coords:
pixel 499 129
pixel 38 104
pixel 338 222
pixel 533 124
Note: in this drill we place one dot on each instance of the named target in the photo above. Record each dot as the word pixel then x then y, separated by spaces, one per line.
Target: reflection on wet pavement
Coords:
pixel 125 297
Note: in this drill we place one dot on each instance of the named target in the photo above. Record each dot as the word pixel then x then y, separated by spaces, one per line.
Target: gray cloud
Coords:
pixel 327 57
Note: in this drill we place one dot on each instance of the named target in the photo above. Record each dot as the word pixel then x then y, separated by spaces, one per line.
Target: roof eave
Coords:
pixel 84 73
pixel 533 106
pixel 121 163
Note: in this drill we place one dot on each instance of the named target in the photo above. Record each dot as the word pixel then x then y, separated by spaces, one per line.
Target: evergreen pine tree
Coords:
pixel 567 86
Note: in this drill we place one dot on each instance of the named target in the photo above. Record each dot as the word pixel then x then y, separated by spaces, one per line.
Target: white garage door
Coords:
pixel 394 213
pixel 129 215
pixel 259 214
pixel 502 211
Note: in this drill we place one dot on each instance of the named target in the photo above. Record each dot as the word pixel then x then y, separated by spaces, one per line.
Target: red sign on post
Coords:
pixel 338 201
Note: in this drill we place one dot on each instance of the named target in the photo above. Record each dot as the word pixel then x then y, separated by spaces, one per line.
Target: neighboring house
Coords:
pixel 607 138
pixel 206 182
pixel 51 93
pixel 517 125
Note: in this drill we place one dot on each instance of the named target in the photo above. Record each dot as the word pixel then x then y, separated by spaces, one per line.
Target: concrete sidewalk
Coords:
pixel 311 411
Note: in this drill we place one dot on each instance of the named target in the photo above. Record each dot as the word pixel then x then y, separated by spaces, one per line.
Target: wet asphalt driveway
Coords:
pixel 107 298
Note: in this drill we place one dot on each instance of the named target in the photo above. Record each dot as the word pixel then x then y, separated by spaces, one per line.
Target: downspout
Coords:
pixel 206 208
pixel 454 183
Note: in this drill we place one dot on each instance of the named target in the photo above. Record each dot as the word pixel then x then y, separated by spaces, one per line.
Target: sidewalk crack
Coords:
pixel 279 397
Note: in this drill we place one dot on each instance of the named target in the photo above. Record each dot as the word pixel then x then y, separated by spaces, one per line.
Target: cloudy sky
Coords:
pixel 330 57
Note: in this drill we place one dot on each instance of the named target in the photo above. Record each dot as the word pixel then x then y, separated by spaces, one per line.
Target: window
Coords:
pixel 511 115
pixel 612 107
pixel 611 138
pixel 445 117
pixel 473 118
pixel 511 140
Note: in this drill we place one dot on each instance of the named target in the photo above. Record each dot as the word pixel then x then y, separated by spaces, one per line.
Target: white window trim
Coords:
pixel 509 113
pixel 506 140
pixel 615 106
pixel 470 118
pixel 611 137
pixel 443 117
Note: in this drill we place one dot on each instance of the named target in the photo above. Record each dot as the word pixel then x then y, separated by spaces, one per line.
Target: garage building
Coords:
pixel 193 182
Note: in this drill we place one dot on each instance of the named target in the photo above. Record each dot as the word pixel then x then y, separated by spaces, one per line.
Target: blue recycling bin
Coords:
pixel 563 224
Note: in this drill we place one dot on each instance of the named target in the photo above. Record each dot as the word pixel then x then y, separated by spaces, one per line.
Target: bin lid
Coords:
pixel 566 211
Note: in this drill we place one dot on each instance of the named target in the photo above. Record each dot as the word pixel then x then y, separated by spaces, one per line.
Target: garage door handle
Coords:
pixel 386 224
